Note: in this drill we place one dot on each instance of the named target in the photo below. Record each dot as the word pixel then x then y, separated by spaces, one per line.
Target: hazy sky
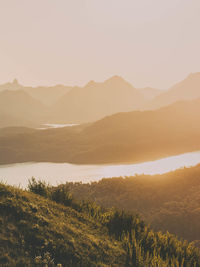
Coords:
pixel 148 42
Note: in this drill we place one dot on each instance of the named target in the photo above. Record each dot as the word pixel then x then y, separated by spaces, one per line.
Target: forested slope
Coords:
pixel 169 202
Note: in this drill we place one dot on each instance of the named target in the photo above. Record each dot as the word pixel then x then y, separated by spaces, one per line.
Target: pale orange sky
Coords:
pixel 148 42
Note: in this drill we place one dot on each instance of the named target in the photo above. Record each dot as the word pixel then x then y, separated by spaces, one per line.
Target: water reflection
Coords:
pixel 48 126
pixel 55 173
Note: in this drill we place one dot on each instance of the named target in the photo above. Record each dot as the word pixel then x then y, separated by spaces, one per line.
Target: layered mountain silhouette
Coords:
pixel 7 120
pixel 124 137
pixel 45 94
pixel 97 100
pixel 20 108
pixel 30 106
pixel 187 89
pixel 48 95
pixel 70 104
pixel 149 93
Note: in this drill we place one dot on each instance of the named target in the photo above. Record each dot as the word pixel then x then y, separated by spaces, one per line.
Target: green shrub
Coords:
pixel 61 195
pixel 39 187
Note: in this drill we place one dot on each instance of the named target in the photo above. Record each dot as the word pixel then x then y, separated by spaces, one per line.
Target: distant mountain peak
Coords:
pixel 15 82
pixel 112 80
pixel 115 78
pixel 90 83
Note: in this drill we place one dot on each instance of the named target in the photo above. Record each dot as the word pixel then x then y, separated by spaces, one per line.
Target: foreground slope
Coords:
pixel 36 231
pixel 32 226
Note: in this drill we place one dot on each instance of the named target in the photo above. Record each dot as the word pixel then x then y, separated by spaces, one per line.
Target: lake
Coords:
pixel 56 173
pixel 54 125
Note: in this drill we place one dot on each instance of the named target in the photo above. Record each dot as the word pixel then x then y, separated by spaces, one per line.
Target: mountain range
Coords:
pixel 124 137
pixel 47 95
pixel 97 100
pixel 187 89
pixel 30 106
pixel 22 106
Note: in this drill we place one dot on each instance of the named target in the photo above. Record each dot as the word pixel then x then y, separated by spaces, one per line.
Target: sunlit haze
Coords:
pixel 100 133
pixel 148 42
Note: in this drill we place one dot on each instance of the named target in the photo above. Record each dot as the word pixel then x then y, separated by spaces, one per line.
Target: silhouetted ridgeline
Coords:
pixel 64 104
pixel 97 100
pixel 49 227
pixel 47 95
pixel 31 106
pixel 187 89
pixel 123 137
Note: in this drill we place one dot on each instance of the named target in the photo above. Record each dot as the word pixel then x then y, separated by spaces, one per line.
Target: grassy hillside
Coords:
pixel 169 201
pixel 46 227
pixel 32 226
pixel 123 137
